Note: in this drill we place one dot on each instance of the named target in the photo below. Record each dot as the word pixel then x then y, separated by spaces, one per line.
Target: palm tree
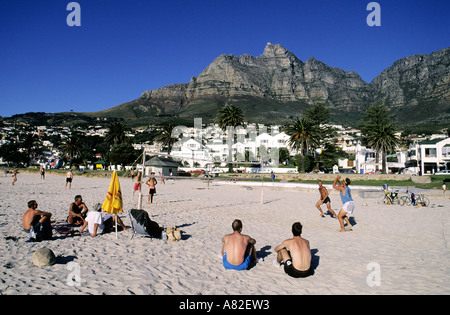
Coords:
pixel 383 138
pixel 29 144
pixel 116 133
pixel 228 118
pixel 165 136
pixel 72 147
pixel 378 131
pixel 302 137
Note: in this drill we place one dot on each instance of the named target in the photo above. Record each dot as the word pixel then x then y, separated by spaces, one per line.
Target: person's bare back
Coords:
pixel 33 216
pixel 300 252
pixel 238 250
pixel 235 245
pixel 295 254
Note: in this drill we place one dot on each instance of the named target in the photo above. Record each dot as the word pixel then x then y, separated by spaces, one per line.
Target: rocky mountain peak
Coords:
pixel 274 50
pixel 277 82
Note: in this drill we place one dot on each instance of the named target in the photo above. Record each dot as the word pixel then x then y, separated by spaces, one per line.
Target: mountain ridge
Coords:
pixel 285 86
pixel 276 87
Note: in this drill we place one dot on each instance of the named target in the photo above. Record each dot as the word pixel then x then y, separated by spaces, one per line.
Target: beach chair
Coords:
pixel 138 223
pixel 143 226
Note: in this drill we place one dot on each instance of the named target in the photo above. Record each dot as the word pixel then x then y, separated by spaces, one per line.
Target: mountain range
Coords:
pixel 277 87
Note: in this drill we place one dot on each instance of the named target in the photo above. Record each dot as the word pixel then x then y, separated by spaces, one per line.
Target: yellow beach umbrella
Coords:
pixel 113 202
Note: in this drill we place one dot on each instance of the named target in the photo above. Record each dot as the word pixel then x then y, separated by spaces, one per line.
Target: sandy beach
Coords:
pixel 408 245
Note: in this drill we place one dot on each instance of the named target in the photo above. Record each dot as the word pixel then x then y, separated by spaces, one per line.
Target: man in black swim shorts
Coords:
pixel 295 254
pixel 324 199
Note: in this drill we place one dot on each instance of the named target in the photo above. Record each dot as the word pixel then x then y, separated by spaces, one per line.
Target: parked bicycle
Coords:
pixel 389 198
pixel 413 199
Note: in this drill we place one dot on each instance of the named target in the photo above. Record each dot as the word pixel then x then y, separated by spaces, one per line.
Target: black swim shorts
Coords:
pixel 290 270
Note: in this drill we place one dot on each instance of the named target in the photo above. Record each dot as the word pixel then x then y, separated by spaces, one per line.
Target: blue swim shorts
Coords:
pixel 242 266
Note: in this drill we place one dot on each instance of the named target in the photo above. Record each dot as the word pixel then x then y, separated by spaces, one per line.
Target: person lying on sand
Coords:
pixel 295 254
pixel 238 250
pixel 37 220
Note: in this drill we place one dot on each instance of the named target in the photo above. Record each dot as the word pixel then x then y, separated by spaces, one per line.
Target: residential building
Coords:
pixel 429 156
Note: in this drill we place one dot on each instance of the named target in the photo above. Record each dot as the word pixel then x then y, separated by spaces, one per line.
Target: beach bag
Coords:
pixel 41 232
pixel 173 234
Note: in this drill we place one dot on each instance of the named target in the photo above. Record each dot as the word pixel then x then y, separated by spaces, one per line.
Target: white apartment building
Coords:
pixel 429 156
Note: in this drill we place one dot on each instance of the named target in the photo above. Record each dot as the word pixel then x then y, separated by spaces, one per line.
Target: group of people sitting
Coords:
pixel 38 223
pixel 239 253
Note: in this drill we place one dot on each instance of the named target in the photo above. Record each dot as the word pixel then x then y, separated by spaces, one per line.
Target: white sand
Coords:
pixel 410 245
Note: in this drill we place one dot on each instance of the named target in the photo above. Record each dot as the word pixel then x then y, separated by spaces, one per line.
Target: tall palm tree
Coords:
pixel 72 147
pixel 383 138
pixel 228 118
pixel 116 133
pixel 378 131
pixel 302 137
pixel 165 136
pixel 30 143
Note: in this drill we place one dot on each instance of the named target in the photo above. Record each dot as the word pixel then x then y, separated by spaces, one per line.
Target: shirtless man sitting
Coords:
pixel 238 250
pixel 295 254
pixel 38 220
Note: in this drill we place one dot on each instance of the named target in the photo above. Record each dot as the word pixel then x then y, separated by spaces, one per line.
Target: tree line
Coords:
pixel 307 133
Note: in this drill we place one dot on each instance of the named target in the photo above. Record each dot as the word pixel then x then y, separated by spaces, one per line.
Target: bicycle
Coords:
pixel 389 198
pixel 413 199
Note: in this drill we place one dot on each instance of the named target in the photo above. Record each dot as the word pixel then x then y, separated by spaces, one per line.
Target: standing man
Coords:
pixel 151 182
pixel 238 250
pixel 324 199
pixel 137 183
pixel 69 178
pixel 295 254
pixel 348 206
pixel 42 171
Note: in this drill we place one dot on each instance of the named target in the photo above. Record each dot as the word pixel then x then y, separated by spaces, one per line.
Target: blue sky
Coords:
pixel 125 47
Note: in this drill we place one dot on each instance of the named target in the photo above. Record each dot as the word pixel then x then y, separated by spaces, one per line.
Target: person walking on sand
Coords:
pixel 69 178
pixel 295 254
pixel 348 206
pixel 137 182
pixel 324 199
pixel 42 171
pixel 238 250
pixel 162 178
pixel 151 182
pixel 14 176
